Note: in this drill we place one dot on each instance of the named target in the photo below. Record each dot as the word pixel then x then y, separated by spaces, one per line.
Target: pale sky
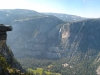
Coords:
pixel 84 8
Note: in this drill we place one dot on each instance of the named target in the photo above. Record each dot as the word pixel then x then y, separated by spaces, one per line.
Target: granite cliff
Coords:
pixel 38 37
pixel 8 63
pixel 81 36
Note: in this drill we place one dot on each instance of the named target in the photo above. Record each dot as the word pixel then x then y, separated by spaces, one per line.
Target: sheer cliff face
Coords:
pixel 35 37
pixel 6 55
pixel 82 35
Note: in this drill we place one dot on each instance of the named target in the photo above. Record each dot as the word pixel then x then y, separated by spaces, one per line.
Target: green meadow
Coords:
pixel 40 71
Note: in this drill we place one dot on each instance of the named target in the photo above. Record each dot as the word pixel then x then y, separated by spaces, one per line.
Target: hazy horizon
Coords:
pixel 83 8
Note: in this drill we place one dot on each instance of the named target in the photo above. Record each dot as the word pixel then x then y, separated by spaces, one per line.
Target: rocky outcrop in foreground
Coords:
pixel 8 64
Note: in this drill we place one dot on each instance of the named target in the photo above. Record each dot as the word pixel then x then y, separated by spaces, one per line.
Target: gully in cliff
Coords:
pixel 3 34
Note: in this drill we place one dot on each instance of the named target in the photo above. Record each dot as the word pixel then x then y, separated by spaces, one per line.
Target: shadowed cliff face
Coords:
pixel 36 37
pixel 82 35
pixel 5 53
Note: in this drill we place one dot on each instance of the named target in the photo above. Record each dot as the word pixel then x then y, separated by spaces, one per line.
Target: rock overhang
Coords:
pixel 5 28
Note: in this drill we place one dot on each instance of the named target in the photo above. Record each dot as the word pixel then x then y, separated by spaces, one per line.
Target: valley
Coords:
pixel 67 45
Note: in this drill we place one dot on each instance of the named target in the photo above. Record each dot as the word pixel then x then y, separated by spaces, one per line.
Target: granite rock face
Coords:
pixel 36 38
pixel 82 36
pixel 5 51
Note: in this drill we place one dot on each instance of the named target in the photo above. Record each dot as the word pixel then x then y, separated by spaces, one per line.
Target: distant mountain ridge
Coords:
pixel 8 16
pixel 15 14
pixel 67 17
